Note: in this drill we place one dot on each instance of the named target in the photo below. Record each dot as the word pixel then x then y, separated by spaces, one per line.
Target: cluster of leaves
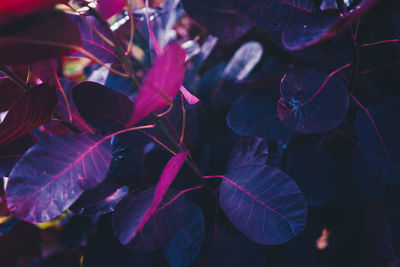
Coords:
pixel 199 132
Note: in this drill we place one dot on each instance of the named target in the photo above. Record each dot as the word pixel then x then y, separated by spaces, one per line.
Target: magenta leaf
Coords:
pixel 264 203
pixel 30 111
pixel 103 108
pixel 312 102
pixel 250 150
pixel 108 8
pixel 161 84
pixel 134 212
pixel 12 152
pixel 45 36
pixel 54 173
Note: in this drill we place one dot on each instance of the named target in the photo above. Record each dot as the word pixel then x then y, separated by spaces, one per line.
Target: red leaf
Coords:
pixel 9 92
pixel 161 84
pixel 44 36
pixel 30 111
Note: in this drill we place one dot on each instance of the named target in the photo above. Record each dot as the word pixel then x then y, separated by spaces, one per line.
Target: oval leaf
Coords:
pixel 30 111
pixel 103 108
pixel 312 102
pixel 54 173
pixel 264 203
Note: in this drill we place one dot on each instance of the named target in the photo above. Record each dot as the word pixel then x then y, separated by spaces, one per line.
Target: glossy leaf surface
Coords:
pixel 31 110
pixel 54 173
pixel 312 102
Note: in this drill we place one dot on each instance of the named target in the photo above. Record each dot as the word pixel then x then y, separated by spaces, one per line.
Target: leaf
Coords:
pixel 243 61
pixel 102 108
pixel 184 249
pixel 381 151
pixel 315 28
pixel 54 173
pixel 92 41
pixel 264 203
pixel 134 212
pixel 12 152
pixel 44 36
pixel 250 150
pixel 99 200
pixel 108 8
pixel 29 112
pixel 218 18
pixel 273 14
pixel 312 102
pixel 9 93
pixel 254 114
pixel 11 10
pixel 161 84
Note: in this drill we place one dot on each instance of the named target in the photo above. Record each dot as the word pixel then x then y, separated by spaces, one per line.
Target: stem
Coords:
pixel 118 49
pixel 13 77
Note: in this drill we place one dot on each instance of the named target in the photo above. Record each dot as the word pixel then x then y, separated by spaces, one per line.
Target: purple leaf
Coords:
pixel 103 108
pixel 54 173
pixel 273 14
pixel 379 140
pixel 46 35
pixel 12 152
pixel 183 250
pixel 315 28
pixel 254 114
pixel 29 112
pixel 312 102
pixel 264 203
pixel 161 227
pixel 218 18
pixel 161 84
pixel 250 150
pixel 130 221
pixel 46 71
pixel 92 42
